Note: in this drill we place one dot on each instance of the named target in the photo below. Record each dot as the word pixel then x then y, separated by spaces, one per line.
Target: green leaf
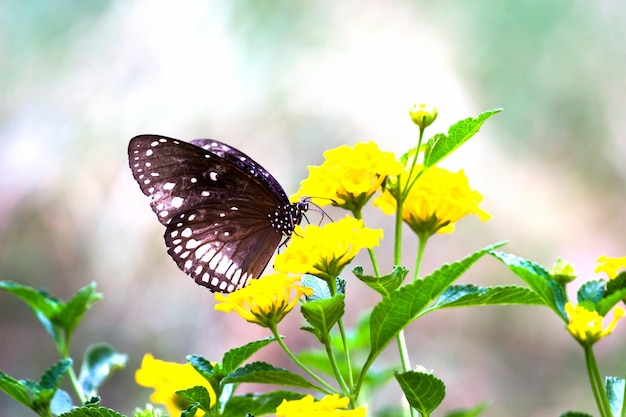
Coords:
pixel 323 314
pixel 258 405
pixel 469 412
pixel 264 373
pixel 608 302
pixel 92 412
pixel 212 373
pixel 44 306
pixel 615 393
pixel 397 310
pixel 197 394
pixel 424 392
pixel 471 295
pixel 190 411
pixel 387 283
pixel 235 357
pixel 15 389
pixel 538 279
pixel 72 312
pixel 440 145
pixel 591 291
pixel 99 362
pixel 52 377
pixel 575 414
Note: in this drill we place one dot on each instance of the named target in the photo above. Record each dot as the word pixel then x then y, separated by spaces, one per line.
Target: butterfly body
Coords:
pixel 224 214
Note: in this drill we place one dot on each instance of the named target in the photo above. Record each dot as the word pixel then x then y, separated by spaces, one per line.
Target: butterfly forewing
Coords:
pixel 224 213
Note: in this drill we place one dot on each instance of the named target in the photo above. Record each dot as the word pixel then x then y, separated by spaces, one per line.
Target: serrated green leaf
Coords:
pixel 212 373
pixel 52 377
pixel 440 145
pixel 385 284
pixel 15 389
pixel 472 295
pixel 538 279
pixel 72 312
pixel 591 291
pixel 264 373
pixel 190 411
pixel 424 392
pixel 397 310
pixel 615 393
pixel 197 394
pixel 235 357
pixel 323 314
pixel 468 412
pixel 99 362
pixel 92 412
pixel 38 300
pixel 258 405
pixel 43 306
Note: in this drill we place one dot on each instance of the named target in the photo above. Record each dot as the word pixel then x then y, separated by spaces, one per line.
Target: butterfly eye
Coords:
pixel 224 214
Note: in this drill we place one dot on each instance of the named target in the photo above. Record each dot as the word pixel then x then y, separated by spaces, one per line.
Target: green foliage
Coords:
pixel 258 405
pixel 57 317
pixel 235 357
pixel 198 395
pixel 397 310
pixel 264 373
pixel 99 362
pixel 469 412
pixel 615 388
pixel 384 284
pixel 440 145
pixel 324 314
pixel 423 391
pixel 92 412
pixel 538 279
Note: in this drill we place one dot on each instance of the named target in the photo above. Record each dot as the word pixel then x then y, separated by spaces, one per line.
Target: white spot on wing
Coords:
pixel 187 232
pixel 168 186
pixel 177 202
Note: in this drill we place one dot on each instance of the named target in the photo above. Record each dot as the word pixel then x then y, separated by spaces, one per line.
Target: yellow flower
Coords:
pixel 436 202
pixel 325 250
pixel 264 301
pixel 586 326
pixel 329 406
pixel 168 377
pixel 348 177
pixel 423 115
pixel 610 265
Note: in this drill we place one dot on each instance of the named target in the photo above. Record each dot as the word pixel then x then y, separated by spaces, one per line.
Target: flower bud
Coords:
pixel 562 271
pixel 423 115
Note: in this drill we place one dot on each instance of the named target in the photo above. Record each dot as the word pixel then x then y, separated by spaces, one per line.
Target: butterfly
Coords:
pixel 224 214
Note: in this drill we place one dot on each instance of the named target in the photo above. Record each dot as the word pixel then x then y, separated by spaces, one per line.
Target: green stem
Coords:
pixel 346 352
pixel 337 371
pixel 298 362
pixel 421 246
pixel 596 382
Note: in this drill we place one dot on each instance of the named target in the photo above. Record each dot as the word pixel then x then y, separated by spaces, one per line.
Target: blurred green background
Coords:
pixel 283 81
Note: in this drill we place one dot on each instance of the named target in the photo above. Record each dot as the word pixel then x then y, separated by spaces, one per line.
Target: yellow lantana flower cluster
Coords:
pixel 349 176
pixel 329 406
pixel 264 301
pixel 325 250
pixel 586 326
pixel 168 377
pixel 437 200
